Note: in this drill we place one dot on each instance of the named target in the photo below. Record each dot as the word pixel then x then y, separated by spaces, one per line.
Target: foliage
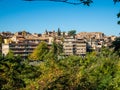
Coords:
pixel 1 39
pixel 10 55
pixel 59 32
pixel 55 50
pixel 118 15
pixel 40 52
pixel 97 71
pixel 115 1
pixel 116 45
pixel 85 2
pixel 72 32
pixel 16 73
pixel 10 70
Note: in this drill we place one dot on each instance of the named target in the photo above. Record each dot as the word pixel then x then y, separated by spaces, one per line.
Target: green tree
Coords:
pixel 15 73
pixel 59 32
pixel 116 45
pixel 55 51
pixel 97 71
pixel 10 73
pixel 118 15
pixel 71 32
pixel 10 55
pixel 40 52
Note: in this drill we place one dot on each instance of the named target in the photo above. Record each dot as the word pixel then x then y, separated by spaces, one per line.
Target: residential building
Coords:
pixel 74 46
pixel 19 49
pixel 22 45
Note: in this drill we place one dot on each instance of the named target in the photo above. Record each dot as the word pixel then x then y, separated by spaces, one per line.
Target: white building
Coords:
pixel 73 46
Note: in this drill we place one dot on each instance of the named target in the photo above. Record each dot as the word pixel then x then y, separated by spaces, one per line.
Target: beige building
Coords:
pixel 22 46
pixel 5 49
pixel 88 35
pixel 73 46
pixel 22 49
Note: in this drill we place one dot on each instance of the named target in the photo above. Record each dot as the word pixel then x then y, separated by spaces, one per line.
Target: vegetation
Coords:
pixel 116 45
pixel 72 32
pixel 85 2
pixel 16 73
pixel 59 32
pixel 118 15
pixel 40 52
pixel 96 71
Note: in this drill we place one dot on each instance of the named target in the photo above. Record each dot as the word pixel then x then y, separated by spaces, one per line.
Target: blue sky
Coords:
pixel 37 16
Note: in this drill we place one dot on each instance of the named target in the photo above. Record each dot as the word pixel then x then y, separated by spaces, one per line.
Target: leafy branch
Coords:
pixel 118 15
pixel 74 2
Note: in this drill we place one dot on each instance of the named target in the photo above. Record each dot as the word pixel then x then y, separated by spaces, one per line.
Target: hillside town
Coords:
pixel 23 43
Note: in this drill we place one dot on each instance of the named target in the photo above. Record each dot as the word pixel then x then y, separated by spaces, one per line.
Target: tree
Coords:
pixel 97 71
pixel 55 51
pixel 118 15
pixel 59 32
pixel 72 32
pixel 16 73
pixel 116 45
pixel 46 32
pixel 40 52
pixel 10 73
pixel 10 54
pixel 1 39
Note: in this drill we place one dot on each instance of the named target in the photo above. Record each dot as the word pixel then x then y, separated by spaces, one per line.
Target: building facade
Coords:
pixel 74 46
pixel 19 49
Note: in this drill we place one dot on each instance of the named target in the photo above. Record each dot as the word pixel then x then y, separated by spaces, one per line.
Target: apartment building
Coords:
pixel 22 49
pixel 22 46
pixel 74 46
pixel 80 47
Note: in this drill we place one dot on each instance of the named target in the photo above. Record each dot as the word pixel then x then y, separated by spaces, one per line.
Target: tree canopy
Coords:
pixel 118 15
pixel 40 52
pixel 71 32
pixel 116 45
pixel 96 71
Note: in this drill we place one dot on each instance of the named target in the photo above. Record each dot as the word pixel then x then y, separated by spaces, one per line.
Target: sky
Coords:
pixel 38 16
